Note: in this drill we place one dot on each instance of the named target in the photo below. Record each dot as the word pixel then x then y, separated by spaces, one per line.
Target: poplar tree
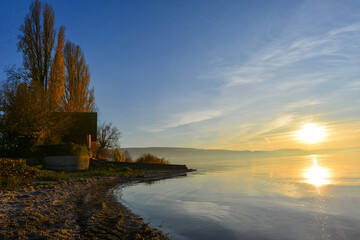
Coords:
pixel 63 79
pixel 57 74
pixel 53 78
pixel 37 41
pixel 77 96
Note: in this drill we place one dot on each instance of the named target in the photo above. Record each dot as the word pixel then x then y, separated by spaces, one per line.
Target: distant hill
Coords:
pixel 174 152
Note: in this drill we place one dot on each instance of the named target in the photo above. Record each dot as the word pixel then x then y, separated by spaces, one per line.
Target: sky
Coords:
pixel 240 75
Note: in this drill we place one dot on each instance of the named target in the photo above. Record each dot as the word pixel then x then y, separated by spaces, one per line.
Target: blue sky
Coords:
pixel 214 74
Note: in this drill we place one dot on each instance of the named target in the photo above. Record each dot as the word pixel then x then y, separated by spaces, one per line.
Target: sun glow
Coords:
pixel 311 133
pixel 317 175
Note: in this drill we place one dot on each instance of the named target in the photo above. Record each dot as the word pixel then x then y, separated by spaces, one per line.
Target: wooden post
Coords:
pixel 89 143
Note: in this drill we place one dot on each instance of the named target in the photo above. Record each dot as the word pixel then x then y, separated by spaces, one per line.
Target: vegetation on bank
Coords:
pixel 152 159
pixel 16 173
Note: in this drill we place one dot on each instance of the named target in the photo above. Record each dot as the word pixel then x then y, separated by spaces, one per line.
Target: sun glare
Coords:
pixel 311 133
pixel 317 175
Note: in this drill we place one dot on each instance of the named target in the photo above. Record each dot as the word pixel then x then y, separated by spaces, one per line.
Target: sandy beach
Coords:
pixel 74 209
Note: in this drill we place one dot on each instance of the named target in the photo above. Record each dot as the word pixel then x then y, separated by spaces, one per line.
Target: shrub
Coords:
pixel 10 181
pixel 79 149
pixel 15 173
pixel 149 158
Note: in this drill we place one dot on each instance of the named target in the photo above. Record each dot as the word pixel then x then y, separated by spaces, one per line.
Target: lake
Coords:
pixel 294 197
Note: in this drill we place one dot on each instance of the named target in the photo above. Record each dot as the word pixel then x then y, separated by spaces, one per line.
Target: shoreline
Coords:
pixel 76 209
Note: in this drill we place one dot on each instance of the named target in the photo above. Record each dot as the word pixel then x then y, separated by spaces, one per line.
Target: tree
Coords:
pixel 118 156
pixel 69 82
pixel 57 73
pixel 24 123
pixel 107 138
pixel 77 97
pixel 31 94
pixel 37 41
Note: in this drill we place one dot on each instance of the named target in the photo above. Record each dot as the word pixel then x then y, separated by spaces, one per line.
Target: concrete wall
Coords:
pixel 66 163
pixel 99 163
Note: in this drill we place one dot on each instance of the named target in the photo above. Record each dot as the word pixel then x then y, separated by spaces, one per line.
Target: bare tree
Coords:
pixel 77 97
pixel 107 138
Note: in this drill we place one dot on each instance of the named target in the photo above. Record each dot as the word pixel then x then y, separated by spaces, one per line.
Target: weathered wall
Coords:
pixel 66 163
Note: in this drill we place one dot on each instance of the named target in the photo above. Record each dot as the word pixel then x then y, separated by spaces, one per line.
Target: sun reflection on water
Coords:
pixel 317 175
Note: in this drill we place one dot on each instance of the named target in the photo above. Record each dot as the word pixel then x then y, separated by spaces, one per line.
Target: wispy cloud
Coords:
pixel 284 53
pixel 304 103
pixel 290 76
pixel 184 118
pixel 354 86
pixel 260 102
pixel 193 117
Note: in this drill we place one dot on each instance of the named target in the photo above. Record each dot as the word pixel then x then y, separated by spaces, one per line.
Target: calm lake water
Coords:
pixel 302 197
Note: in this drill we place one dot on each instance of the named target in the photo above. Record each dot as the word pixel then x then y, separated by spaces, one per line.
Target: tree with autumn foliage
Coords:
pixel 57 74
pixel 54 77
pixel 118 156
pixel 77 96
pixel 36 43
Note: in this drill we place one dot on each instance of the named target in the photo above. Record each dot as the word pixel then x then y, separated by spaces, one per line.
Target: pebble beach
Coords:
pixel 74 209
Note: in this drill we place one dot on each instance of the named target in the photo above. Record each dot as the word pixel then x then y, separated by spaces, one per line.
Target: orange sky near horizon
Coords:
pixel 337 136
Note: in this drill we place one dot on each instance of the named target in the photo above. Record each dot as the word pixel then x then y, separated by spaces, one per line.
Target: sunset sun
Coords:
pixel 311 133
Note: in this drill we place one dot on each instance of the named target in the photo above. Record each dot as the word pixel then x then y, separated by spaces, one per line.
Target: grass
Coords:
pixel 107 170
pixel 15 173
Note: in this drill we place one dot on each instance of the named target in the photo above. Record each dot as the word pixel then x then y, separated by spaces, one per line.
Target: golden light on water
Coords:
pixel 317 175
pixel 311 133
